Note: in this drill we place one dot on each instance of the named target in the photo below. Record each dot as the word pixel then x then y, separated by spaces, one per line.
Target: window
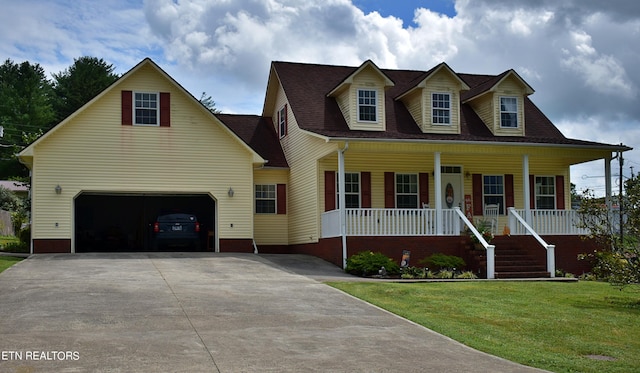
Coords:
pixel 146 109
pixel 282 121
pixel 545 192
pixel 493 190
pixel 266 199
pixel 441 108
pixel 509 112
pixel 367 105
pixel 352 190
pixel 406 191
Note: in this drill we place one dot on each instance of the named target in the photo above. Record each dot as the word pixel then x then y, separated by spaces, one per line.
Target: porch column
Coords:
pixel 438 191
pixel 342 204
pixel 607 183
pixel 525 187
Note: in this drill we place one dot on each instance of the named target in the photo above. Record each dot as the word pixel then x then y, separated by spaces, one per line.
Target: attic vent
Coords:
pixel 369 84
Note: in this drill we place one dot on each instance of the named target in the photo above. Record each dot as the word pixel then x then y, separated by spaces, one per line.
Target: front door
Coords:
pixel 451 177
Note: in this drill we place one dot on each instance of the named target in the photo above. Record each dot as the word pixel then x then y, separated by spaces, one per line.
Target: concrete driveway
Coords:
pixel 207 312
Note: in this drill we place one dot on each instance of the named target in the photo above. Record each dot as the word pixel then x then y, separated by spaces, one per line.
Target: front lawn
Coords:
pixel 561 327
pixel 8 261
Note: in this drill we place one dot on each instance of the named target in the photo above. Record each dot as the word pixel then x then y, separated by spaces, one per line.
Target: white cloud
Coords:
pixel 603 73
pixel 579 55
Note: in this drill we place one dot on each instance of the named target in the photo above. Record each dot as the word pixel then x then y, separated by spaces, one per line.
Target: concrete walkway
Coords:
pixel 206 312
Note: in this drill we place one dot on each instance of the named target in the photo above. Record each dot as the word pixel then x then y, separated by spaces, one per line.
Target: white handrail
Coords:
pixel 551 260
pixel 491 268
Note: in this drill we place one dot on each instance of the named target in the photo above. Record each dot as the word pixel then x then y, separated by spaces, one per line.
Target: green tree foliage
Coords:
pixel 81 82
pixel 26 98
pixel 617 260
pixel 208 102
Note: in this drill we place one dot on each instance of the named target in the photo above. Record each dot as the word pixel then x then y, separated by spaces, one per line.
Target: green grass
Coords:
pixel 549 325
pixel 8 261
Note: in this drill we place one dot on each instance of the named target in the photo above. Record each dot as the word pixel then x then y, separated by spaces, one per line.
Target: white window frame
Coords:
pixel 441 110
pixel 496 197
pixel 410 193
pixel 366 102
pixel 349 192
pixel 282 121
pixel 270 194
pixel 510 112
pixel 135 108
pixel 538 190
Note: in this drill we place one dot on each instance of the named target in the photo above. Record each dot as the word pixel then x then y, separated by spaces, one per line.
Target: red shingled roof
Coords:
pixel 259 133
pixel 307 86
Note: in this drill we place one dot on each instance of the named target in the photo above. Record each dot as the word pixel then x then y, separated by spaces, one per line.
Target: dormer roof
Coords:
pixel 348 80
pixel 420 81
pixel 483 84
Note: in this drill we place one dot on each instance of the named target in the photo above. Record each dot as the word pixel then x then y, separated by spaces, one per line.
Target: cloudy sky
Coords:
pixel 581 56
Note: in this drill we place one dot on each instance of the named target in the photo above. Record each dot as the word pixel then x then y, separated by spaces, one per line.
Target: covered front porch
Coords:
pixel 518 190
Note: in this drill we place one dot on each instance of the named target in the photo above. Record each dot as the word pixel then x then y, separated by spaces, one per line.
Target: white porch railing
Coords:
pixel 547 222
pixel 516 221
pixel 390 222
pixel 330 224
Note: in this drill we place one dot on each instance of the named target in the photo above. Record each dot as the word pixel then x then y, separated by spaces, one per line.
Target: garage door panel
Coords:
pixel 120 223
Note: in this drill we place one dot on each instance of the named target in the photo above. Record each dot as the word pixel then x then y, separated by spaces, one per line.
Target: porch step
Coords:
pixel 514 260
pixel 519 274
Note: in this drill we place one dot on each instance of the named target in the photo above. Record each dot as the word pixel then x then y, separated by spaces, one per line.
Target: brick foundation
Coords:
pixel 51 246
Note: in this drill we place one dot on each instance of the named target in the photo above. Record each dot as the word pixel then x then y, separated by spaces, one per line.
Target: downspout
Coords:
pixel 342 203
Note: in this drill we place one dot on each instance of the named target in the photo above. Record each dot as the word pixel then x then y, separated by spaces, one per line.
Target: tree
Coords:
pixel 26 98
pixel 81 82
pixel 208 102
pixel 618 257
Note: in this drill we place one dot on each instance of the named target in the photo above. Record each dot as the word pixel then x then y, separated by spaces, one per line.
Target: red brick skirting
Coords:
pixel 236 245
pixel 51 245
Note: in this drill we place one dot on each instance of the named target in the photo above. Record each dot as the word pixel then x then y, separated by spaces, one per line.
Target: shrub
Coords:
pixel 444 274
pixel 442 261
pixel 467 275
pixel 368 263
pixel 413 272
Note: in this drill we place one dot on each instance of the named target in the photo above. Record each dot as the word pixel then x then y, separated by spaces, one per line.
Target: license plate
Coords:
pixel 176 227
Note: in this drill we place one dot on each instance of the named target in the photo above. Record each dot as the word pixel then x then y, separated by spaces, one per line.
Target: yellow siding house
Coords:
pixel 341 159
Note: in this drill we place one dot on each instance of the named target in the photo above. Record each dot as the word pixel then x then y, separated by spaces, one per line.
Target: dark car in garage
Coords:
pixel 176 231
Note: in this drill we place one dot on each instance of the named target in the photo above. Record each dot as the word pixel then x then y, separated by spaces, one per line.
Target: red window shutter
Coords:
pixel 165 109
pixel 389 190
pixel 478 203
pixel 365 185
pixel 508 191
pixel 423 180
pixel 281 196
pixel 286 119
pixel 127 108
pixel 560 192
pixel 532 191
pixel 329 190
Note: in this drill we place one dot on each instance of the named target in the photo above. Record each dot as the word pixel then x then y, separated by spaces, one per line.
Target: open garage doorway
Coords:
pixel 125 222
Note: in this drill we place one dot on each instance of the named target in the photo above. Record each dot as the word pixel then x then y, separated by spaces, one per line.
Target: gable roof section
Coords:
pixel 420 81
pixel 27 153
pixel 305 86
pixel 259 133
pixel 486 83
pixel 349 78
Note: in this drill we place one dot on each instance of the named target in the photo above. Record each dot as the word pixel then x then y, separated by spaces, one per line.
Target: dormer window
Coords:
pixel 441 108
pixel 367 105
pixel 509 112
pixel 146 109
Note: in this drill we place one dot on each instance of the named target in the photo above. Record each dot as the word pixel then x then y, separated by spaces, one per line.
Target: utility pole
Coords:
pixel 620 204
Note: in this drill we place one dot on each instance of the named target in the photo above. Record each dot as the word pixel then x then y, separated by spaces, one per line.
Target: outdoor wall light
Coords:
pixel 58 189
pixel 230 192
